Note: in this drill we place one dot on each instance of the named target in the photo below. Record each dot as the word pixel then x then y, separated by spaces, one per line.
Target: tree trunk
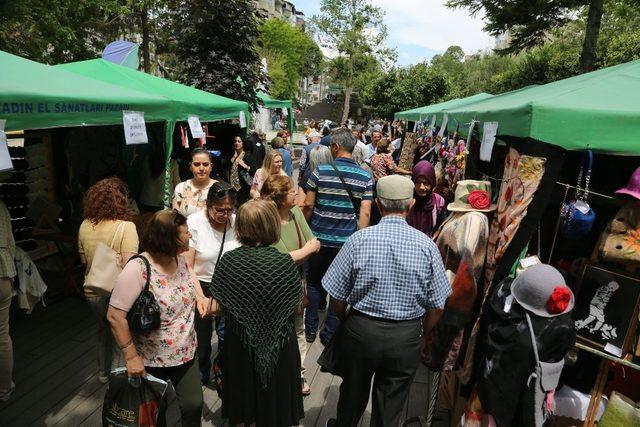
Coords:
pixel 144 27
pixel 347 100
pixel 592 32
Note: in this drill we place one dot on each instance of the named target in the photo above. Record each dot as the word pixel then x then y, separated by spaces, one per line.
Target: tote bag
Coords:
pixel 105 266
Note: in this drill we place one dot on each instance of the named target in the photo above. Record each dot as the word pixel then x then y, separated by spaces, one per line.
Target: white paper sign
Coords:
pixel 433 122
pixel 443 127
pixel 196 127
pixel 610 348
pixel 285 112
pixel 489 133
pixel 5 159
pixel 243 120
pixel 135 131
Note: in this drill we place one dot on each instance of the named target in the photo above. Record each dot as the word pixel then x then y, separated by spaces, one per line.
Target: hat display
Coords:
pixel 633 186
pixel 541 289
pixel 471 195
pixel 395 187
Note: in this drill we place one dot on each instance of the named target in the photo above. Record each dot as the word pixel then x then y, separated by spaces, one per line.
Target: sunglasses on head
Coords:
pixel 222 193
pixel 198 164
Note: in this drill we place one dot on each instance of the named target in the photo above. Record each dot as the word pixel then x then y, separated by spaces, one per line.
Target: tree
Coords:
pixel 290 53
pixel 355 29
pixel 58 31
pixel 217 51
pixel 528 22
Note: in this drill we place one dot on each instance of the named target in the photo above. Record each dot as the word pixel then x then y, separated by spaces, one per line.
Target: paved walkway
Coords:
pixel 57 384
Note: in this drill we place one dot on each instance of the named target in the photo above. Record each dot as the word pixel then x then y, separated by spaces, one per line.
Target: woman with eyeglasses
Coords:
pixel 212 234
pixel 190 196
pixel 272 165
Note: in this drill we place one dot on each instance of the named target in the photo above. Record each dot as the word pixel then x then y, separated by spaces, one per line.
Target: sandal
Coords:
pixel 306 390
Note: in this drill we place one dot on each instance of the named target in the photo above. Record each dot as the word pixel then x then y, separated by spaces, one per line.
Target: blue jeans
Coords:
pixel 204 332
pixel 318 265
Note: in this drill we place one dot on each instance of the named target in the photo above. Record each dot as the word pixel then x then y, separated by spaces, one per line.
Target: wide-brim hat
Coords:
pixel 633 186
pixel 482 195
pixel 536 285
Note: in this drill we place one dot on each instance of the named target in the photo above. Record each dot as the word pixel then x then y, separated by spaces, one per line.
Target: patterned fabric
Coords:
pixel 190 198
pixel 382 164
pixel 390 271
pixel 334 218
pixel 462 241
pixel 175 342
pixel 260 291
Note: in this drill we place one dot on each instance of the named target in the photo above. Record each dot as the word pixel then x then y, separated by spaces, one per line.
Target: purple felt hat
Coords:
pixel 633 186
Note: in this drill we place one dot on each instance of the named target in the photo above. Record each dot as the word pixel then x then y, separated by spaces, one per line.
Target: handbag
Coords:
pixel 305 297
pixel 144 314
pixel 105 265
pixel 577 217
pixel 544 380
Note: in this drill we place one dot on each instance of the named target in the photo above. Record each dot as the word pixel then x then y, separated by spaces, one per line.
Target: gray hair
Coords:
pixel 394 206
pixel 319 155
pixel 344 138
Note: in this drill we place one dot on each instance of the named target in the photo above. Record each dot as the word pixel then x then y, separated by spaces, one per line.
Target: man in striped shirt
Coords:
pixel 338 203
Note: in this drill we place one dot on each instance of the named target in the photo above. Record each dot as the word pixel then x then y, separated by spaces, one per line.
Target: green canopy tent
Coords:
pixel 272 103
pixel 422 112
pixel 185 100
pixel 599 110
pixel 39 96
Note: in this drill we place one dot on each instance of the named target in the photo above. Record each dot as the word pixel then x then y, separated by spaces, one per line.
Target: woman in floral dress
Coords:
pixel 190 196
pixel 168 352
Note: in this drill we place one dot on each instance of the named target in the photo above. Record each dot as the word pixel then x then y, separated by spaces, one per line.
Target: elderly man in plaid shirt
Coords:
pixel 393 278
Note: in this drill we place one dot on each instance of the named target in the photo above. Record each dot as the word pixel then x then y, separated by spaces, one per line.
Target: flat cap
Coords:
pixel 395 187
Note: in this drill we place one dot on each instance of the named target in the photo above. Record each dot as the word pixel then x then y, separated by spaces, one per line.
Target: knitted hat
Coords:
pixel 471 196
pixel 633 186
pixel 541 289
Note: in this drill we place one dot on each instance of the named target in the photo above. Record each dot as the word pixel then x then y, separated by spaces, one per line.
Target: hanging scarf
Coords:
pixel 260 291
pixel 421 215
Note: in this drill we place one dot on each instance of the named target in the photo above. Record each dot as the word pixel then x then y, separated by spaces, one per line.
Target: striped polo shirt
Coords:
pixel 334 218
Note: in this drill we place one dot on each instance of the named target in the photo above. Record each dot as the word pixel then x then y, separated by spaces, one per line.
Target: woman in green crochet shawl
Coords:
pixel 259 290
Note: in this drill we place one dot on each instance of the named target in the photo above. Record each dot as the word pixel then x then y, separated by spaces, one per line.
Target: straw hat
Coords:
pixel 472 196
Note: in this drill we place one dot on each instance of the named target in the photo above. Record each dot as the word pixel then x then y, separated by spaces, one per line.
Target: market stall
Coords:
pixel 555 155
pixel 186 101
pixel 286 105
pixel 422 113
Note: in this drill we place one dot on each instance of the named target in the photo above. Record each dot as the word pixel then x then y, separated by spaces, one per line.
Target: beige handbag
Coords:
pixel 105 266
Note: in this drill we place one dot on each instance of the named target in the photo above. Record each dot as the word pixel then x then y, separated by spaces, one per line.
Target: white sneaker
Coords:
pixel 6 394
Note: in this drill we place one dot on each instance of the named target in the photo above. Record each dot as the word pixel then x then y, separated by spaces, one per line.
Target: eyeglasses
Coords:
pixel 222 211
pixel 198 164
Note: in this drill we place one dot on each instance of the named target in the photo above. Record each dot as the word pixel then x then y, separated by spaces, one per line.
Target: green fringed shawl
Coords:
pixel 259 289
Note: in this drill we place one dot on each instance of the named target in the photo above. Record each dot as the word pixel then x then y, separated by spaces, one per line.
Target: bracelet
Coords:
pixel 129 343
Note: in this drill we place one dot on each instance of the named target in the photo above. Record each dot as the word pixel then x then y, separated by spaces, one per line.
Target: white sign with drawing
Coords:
pixel 489 132
pixel 443 127
pixel 135 131
pixel 243 120
pixel 196 127
pixel 5 158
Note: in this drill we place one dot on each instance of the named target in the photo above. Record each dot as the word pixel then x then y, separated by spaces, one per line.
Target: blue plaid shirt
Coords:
pixel 390 271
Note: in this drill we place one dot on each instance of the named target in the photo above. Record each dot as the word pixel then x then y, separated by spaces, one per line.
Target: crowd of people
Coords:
pixel 254 256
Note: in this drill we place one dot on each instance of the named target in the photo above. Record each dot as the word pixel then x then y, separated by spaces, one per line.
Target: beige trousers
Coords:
pixel 6 346
pixel 302 342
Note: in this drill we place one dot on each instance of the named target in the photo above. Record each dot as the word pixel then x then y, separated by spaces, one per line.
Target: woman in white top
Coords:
pixel 272 165
pixel 212 234
pixel 190 196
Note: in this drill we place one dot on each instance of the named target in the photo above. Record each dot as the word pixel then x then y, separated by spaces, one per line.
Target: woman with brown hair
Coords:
pixel 259 290
pixel 272 165
pixel 190 196
pixel 167 353
pixel 296 239
pixel 242 169
pixel 106 222
pixel 382 163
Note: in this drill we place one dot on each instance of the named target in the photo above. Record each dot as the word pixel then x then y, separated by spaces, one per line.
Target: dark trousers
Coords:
pixel 204 332
pixel 188 390
pixel 318 265
pixel 388 352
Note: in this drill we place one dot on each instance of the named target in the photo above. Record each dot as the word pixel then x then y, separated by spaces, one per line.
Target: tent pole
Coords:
pixel 168 143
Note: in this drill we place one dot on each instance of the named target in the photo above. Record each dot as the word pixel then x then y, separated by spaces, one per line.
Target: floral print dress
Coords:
pixel 190 198
pixel 175 342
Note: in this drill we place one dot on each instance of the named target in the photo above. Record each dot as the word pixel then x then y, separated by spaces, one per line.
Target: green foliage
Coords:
pixel 290 53
pixel 217 47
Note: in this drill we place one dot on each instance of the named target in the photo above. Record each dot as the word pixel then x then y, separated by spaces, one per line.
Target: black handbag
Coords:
pixel 145 312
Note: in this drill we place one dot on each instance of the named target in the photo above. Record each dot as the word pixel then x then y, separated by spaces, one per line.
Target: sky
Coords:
pixel 419 29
